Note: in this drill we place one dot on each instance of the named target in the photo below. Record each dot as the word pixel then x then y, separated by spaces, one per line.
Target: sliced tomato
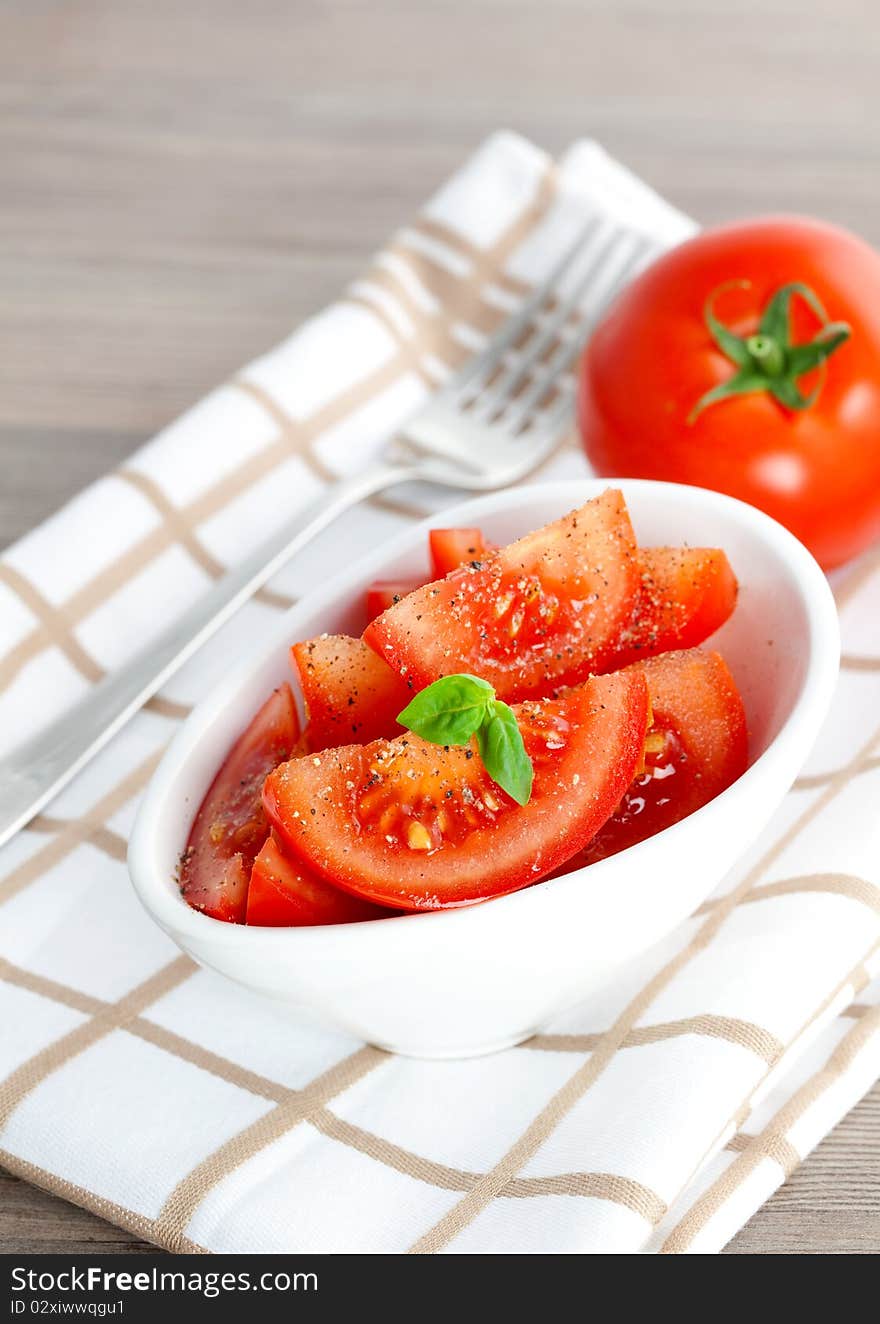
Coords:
pixel 685 595
pixel 230 826
pixel 541 613
pixel 421 827
pixel 284 894
pixel 448 548
pixel 384 593
pixel 696 748
pixel 451 548
pixel 350 694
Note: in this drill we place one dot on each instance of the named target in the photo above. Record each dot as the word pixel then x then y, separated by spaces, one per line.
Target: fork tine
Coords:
pixel 518 410
pixel 560 410
pixel 502 390
pixel 483 363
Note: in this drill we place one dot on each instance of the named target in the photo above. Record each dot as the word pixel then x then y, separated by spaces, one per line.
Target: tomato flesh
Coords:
pixel 685 595
pixel 538 614
pixel 383 593
pixel 421 827
pixel 284 894
pixel 696 748
pixel 230 826
pixel 451 548
pixel 350 694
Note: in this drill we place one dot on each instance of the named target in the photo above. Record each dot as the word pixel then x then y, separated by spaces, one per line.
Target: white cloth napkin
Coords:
pixel 659 1116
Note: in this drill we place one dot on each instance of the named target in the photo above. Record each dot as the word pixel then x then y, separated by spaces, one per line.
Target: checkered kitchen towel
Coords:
pixel 657 1117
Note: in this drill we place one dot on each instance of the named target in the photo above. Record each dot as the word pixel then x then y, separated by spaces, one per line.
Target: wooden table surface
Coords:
pixel 182 183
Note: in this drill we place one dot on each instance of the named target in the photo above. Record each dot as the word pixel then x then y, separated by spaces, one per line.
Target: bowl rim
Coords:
pixel 162 899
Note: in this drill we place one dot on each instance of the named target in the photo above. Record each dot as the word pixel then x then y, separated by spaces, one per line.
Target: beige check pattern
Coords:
pixel 658 1117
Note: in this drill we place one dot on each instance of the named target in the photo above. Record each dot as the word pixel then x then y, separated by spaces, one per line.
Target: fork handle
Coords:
pixel 39 768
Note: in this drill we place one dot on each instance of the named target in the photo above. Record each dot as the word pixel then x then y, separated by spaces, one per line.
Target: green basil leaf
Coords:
pixel 450 711
pixel 503 753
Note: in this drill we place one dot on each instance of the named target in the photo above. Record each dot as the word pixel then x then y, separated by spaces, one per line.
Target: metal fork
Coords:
pixel 484 429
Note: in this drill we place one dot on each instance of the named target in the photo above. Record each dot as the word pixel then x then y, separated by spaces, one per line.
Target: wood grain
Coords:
pixel 182 184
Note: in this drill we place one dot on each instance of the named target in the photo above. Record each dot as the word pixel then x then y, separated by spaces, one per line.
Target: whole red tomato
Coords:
pixel 748 360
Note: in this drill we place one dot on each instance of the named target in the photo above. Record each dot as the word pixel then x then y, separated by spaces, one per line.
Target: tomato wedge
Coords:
pixel 695 749
pixel 535 615
pixel 451 548
pixel 350 694
pixel 421 827
pixel 230 826
pixel 284 894
pixel 384 593
pixel 685 595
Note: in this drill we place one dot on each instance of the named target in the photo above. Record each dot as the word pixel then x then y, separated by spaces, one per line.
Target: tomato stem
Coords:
pixel 768 360
pixel 768 354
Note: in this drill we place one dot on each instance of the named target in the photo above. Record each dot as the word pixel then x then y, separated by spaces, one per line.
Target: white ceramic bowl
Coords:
pixel 461 982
